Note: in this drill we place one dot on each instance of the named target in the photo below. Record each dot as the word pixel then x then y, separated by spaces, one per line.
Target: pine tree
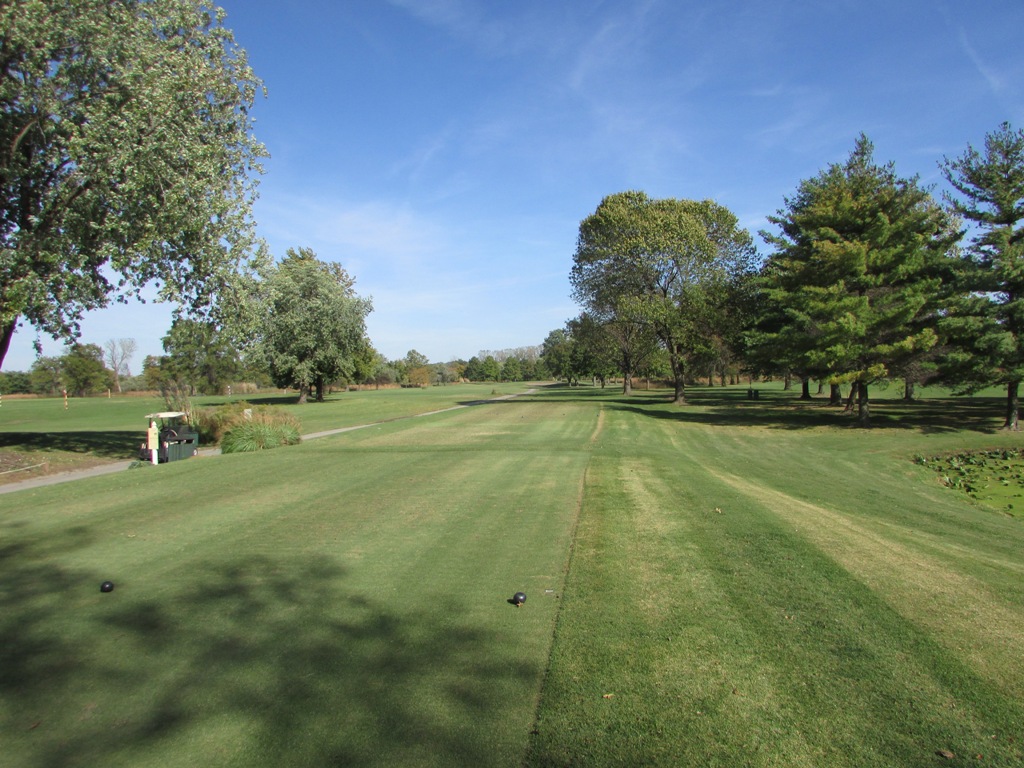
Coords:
pixel 987 325
pixel 857 273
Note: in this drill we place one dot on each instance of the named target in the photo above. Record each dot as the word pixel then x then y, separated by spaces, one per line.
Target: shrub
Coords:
pixel 213 424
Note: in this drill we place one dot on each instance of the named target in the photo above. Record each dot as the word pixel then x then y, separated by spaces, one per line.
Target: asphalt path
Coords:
pixel 120 466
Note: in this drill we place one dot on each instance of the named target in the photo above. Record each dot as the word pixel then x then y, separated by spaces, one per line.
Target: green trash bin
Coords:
pixel 171 437
pixel 179 443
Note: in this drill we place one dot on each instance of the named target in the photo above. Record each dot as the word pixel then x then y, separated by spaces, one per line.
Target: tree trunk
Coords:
pixel 908 389
pixel 821 386
pixel 679 396
pixel 6 334
pixel 863 412
pixel 320 389
pixel 835 395
pixel 627 383
pixel 850 400
pixel 303 393
pixel 787 382
pixel 1012 407
pixel 805 388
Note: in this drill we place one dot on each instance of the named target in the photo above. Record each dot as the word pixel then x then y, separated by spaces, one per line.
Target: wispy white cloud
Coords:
pixel 428 150
pixel 462 20
pixel 612 49
pixel 989 75
pixel 369 229
pixel 795 117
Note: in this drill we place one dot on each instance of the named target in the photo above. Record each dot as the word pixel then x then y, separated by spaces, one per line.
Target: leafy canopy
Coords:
pixel 670 264
pixel 314 330
pixel 126 157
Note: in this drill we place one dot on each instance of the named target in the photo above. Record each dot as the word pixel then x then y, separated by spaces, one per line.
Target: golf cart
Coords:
pixel 168 438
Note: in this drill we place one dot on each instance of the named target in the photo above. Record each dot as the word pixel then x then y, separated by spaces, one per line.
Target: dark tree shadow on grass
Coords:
pixel 783 410
pixel 110 445
pixel 251 661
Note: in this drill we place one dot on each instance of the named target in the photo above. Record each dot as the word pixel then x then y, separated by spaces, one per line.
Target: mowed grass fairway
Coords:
pixel 731 583
pixel 342 602
pixel 96 429
pixel 758 587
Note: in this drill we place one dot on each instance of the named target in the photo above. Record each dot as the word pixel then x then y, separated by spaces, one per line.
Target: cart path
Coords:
pixel 120 466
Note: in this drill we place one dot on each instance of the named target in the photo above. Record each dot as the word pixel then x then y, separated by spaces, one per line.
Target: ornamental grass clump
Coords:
pixel 239 427
pixel 258 435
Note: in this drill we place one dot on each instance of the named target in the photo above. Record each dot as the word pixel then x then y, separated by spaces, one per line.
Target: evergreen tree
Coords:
pixel 857 273
pixel 490 370
pixel 987 324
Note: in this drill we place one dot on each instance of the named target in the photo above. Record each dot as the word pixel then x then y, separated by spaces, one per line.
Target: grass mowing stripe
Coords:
pixel 949 564
pixel 844 638
pixel 304 607
pixel 731 638
pixel 953 607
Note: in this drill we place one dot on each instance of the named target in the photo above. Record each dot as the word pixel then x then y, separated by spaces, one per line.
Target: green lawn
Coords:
pixel 97 429
pixel 339 602
pixel 745 592
pixel 731 583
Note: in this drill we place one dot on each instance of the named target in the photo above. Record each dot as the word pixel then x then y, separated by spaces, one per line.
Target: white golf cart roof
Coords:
pixel 165 415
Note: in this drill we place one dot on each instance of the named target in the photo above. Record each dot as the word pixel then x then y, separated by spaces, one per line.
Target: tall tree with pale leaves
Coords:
pixel 314 331
pixel 670 264
pixel 126 157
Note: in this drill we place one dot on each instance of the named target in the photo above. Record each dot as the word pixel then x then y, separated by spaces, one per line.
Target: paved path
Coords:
pixel 119 466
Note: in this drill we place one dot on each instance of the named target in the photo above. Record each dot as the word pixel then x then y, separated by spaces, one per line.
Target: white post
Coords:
pixel 153 441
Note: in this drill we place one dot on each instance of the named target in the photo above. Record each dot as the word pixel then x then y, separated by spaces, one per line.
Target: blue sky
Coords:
pixel 445 151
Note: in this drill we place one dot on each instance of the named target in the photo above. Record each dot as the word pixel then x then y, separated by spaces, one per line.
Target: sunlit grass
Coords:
pixel 735 582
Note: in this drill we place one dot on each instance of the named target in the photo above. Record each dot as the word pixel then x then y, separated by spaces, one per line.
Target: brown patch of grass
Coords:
pixel 649 498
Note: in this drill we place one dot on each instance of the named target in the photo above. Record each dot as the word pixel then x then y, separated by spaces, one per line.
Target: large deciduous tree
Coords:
pixel 987 325
pixel 83 369
pixel 594 351
pixel 556 352
pixel 857 273
pixel 126 157
pixel 315 326
pixel 47 375
pixel 199 357
pixel 673 264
